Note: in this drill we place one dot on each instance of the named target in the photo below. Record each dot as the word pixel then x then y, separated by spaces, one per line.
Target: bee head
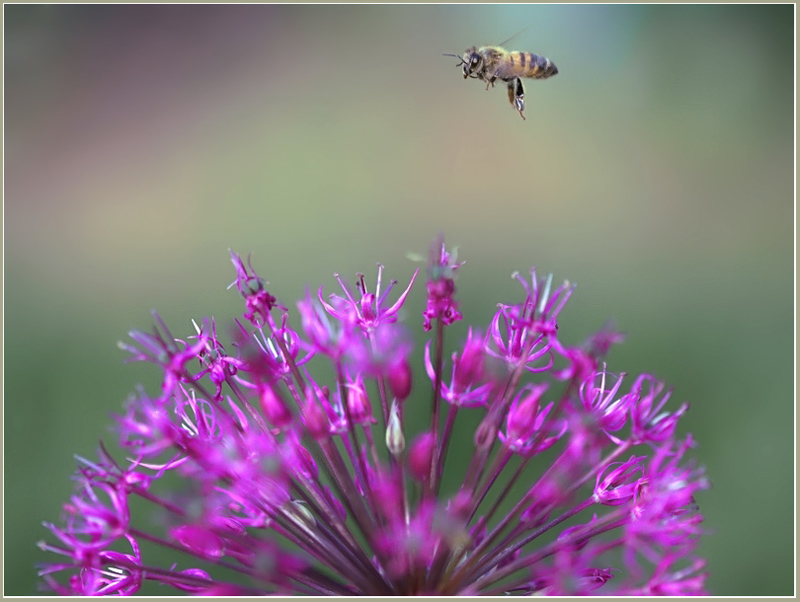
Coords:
pixel 472 61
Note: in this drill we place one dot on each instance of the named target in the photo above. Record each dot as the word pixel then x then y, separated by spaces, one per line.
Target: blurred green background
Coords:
pixel 655 170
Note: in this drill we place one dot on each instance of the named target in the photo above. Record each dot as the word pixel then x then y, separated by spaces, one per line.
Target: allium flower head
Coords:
pixel 263 477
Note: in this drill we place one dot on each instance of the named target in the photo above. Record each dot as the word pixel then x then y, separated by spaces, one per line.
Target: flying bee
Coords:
pixel 490 63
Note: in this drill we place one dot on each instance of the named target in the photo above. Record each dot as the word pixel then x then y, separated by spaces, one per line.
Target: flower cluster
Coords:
pixel 262 478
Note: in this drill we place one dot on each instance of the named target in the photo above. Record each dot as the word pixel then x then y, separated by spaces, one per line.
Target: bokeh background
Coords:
pixel 655 170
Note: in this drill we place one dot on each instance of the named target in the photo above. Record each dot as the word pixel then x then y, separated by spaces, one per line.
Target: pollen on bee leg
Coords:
pixel 519 104
pixel 515 96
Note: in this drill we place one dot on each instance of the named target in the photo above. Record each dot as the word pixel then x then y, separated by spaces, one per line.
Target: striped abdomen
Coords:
pixel 527 64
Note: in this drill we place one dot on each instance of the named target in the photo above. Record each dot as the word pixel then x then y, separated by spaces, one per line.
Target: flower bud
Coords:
pixel 400 380
pixel 274 408
pixel 420 456
pixel 395 441
pixel 358 403
pixel 524 418
pixel 314 418
pixel 470 366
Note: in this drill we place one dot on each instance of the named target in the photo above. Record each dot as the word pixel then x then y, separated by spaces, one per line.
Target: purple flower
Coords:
pixel 285 462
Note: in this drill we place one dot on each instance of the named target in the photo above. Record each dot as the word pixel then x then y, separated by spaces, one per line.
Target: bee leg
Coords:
pixel 516 95
pixel 491 80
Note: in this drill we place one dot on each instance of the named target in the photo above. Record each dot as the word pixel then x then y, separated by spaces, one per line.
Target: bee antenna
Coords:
pixel 458 56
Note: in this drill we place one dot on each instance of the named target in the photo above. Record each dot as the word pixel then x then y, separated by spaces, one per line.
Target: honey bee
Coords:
pixel 490 63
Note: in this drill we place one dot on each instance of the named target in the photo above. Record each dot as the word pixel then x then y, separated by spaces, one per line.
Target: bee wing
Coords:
pixel 515 35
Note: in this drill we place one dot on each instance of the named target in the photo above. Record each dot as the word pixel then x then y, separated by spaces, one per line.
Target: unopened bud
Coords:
pixel 314 418
pixel 395 441
pixel 486 433
pixel 470 366
pixel 400 380
pixel 420 456
pixel 274 408
pixel 358 403
pixel 300 514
